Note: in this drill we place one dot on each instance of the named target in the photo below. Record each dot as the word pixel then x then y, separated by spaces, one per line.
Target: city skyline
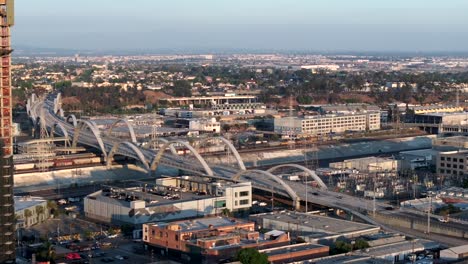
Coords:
pixel 334 26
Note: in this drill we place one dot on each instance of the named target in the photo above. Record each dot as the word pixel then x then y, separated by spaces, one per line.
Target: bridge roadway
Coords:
pixel 357 206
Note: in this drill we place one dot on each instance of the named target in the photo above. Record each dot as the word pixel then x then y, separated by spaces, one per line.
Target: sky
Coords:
pixel 215 25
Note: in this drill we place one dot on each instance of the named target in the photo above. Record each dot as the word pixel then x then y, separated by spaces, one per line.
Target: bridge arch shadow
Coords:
pixel 157 159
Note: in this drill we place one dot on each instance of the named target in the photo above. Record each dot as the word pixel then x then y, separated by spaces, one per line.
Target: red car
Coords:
pixel 73 256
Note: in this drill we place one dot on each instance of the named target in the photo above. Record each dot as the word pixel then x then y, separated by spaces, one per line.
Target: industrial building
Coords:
pixel 454 253
pixel 345 108
pixel 416 159
pixel 169 199
pixel 457 118
pixel 327 124
pixel 213 100
pixel 315 229
pixel 213 238
pixel 295 252
pixel 7 215
pixel 368 164
pixel 436 109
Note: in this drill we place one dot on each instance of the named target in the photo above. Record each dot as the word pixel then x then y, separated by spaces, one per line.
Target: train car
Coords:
pixel 63 162
pixel 47 164
pixel 24 166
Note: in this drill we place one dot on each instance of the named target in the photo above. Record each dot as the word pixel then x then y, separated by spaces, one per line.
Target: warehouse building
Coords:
pixel 138 205
pixel 314 229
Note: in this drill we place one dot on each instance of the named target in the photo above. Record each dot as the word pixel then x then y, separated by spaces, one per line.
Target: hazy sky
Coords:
pixel 318 25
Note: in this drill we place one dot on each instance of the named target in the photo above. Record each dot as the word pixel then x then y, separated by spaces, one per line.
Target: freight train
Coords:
pixel 60 161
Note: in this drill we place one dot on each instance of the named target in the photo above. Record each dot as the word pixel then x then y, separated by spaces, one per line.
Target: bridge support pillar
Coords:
pixel 297 204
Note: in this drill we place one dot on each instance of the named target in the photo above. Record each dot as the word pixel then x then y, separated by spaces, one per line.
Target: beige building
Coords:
pixel 30 210
pixel 368 164
pixel 325 124
pixel 452 163
pixel 165 202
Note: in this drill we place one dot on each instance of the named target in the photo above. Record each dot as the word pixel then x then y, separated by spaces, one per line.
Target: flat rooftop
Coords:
pixel 291 249
pixel 150 199
pixel 318 225
pixel 23 202
pixel 202 223
pixel 347 258
pixel 417 245
pixel 442 114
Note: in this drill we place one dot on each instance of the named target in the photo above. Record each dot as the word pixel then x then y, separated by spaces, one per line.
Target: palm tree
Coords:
pixel 39 211
pixel 27 215
pixel 52 206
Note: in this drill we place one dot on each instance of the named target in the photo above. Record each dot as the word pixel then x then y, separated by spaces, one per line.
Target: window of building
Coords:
pixel 244 202
pixel 442 158
pixel 460 166
pixel 235 194
pixel 449 165
pixel 152 232
pixel 442 164
pixel 176 237
pixel 442 171
pixel 460 160
pixel 449 159
pixel 235 203
pixel 244 193
pixel 221 203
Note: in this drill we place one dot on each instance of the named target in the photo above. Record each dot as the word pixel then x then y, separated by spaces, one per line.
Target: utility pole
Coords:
pixel 429 214
pixel 306 176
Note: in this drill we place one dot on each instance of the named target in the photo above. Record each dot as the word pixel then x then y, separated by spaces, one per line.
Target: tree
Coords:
pixel 46 252
pixel 360 244
pixel 341 247
pixel 226 212
pixel 39 211
pixel 251 256
pixel 27 215
pixel 182 88
pixel 52 206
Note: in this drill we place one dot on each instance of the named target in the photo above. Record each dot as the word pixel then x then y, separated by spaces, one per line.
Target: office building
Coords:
pixel 452 163
pixel 327 124
pixel 7 215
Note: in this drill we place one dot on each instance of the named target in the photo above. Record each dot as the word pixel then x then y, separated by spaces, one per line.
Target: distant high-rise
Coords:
pixel 7 211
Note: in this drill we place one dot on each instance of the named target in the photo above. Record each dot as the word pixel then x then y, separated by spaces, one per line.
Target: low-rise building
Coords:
pixel 456 118
pixel 205 125
pixel 213 238
pixel 454 253
pixel 30 210
pixel 296 252
pixel 416 159
pixel 138 205
pixel 368 164
pixel 327 124
pixel 452 163
pixel 314 229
